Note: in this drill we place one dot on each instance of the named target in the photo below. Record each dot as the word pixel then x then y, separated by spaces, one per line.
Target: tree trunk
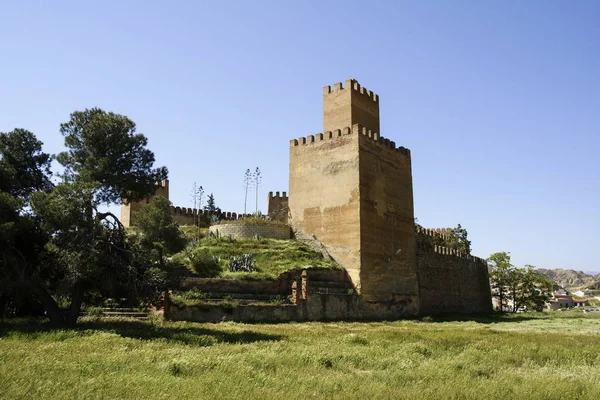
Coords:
pixel 75 307
pixel 53 311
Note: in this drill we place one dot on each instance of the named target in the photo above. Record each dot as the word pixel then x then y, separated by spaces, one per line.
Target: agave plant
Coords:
pixel 243 263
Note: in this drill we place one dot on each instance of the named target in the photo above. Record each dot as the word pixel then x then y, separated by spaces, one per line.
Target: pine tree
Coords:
pixel 211 205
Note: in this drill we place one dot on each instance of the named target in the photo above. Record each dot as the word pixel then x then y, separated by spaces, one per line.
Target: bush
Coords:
pixel 95 312
pixel 192 294
pixel 204 263
pixel 154 282
pixel 245 263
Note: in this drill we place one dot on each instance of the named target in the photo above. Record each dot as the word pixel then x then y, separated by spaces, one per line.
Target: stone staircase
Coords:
pixel 330 287
pixel 124 312
pixel 242 298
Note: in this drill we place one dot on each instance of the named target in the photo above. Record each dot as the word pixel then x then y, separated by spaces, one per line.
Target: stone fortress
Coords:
pixel 350 190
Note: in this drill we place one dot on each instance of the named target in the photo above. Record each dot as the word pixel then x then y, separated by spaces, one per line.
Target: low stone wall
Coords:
pixel 317 307
pixel 280 286
pixel 316 294
pixel 241 230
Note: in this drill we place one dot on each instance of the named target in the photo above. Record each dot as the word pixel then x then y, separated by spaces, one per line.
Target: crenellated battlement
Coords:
pixel 194 212
pixel 283 196
pixel 431 232
pixel 351 84
pixel 425 244
pixel 356 129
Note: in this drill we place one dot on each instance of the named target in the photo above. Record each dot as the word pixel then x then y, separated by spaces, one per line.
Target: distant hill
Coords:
pixel 572 279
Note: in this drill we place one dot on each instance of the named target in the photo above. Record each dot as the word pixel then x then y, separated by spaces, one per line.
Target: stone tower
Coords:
pixel 351 189
pixel 128 209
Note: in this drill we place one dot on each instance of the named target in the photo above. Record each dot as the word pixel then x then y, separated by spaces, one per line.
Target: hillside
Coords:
pixel 569 278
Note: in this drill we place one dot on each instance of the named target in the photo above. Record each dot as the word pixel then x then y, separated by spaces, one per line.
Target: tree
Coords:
pixel 158 232
pixel 89 246
pixel 105 161
pixel 517 288
pixel 500 278
pixel 104 148
pixel 24 168
pixel 532 290
pixel 455 238
pixel 211 205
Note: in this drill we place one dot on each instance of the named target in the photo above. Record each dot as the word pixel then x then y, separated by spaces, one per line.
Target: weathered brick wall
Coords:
pixel 450 282
pixel 324 188
pixel 348 104
pixel 388 269
pixel 241 230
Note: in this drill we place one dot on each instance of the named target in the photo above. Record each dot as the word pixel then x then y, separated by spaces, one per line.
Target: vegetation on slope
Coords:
pixel 272 257
pixel 531 356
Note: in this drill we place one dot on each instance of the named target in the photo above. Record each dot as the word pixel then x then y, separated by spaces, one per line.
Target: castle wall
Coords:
pixel 388 273
pixel 277 207
pixel 324 200
pixel 128 209
pixel 191 216
pixel 449 281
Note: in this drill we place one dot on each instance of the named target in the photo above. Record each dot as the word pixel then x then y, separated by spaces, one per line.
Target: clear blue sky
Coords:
pixel 499 102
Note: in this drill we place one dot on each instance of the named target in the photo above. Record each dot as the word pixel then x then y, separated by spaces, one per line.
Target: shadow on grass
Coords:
pixel 492 318
pixel 194 336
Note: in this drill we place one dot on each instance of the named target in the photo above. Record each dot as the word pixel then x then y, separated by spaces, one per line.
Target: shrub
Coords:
pixel 193 294
pixel 204 263
pixel 95 312
pixel 154 282
pixel 244 263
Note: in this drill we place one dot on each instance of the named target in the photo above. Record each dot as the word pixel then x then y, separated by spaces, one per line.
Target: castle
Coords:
pixel 351 190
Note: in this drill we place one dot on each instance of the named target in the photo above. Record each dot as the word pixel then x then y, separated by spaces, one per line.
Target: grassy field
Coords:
pixel 536 356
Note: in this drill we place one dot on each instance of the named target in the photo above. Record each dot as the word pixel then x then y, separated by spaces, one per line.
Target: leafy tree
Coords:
pixel 105 161
pixel 89 246
pixel 500 277
pixel 24 168
pixel 455 238
pixel 517 288
pixel 104 148
pixel 158 232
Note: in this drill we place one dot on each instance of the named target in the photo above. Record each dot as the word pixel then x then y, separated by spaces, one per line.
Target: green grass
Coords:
pixel 536 356
pixel 273 257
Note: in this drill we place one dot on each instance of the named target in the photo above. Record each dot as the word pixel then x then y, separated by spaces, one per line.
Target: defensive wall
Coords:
pixel 183 215
pixel 191 216
pixel 450 281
